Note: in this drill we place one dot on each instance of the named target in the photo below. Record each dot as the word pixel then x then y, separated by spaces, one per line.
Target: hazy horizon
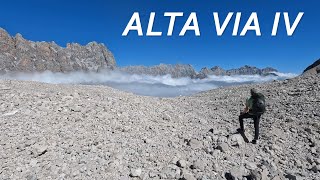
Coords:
pixel 158 86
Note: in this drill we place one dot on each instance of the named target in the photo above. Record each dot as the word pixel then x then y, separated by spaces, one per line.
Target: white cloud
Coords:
pixel 163 86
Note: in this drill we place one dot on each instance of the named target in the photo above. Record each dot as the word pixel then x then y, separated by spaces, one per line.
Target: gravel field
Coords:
pixel 95 132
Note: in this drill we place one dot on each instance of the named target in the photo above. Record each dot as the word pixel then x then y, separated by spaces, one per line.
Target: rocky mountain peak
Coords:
pixel 216 67
pixel 3 33
pixel 176 71
pixel 4 36
pixel 19 36
pixel 19 54
pixel 245 70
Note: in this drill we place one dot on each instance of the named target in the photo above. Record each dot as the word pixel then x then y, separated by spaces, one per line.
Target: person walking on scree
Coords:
pixel 255 107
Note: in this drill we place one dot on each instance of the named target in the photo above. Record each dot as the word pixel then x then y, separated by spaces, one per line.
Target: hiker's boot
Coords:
pixel 254 141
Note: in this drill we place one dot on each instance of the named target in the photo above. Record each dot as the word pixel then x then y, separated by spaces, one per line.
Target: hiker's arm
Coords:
pixel 246 109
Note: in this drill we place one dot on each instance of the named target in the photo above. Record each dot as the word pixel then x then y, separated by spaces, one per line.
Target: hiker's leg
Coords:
pixel 241 117
pixel 256 127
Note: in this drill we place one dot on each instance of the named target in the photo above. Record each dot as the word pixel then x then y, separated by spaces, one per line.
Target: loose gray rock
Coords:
pixel 186 175
pixel 198 164
pixel 315 168
pixel 223 147
pixel 40 150
pixel 236 140
pixel 236 173
pixel 182 163
pixel 251 166
pixel 195 144
pixel 135 172
pixel 171 172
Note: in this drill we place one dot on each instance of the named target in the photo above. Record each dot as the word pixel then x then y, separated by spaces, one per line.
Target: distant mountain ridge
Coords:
pixel 176 71
pixel 186 70
pixel 20 55
pixel 245 70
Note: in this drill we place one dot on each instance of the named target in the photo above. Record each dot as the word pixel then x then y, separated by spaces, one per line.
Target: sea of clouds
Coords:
pixel 160 86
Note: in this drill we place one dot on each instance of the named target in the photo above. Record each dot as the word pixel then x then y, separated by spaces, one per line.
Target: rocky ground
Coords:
pixel 95 132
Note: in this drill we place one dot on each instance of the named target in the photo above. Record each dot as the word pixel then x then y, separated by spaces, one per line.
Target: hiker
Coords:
pixel 255 107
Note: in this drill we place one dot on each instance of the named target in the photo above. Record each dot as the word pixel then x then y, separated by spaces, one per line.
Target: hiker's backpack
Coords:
pixel 258 105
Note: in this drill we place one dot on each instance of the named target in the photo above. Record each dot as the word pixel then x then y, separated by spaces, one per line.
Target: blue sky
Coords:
pixel 103 21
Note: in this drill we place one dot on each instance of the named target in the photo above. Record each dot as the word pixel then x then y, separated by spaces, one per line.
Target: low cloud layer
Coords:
pixel 161 86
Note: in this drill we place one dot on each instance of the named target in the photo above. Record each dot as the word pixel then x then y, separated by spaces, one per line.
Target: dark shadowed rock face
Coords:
pixel 245 70
pixel 19 54
pixel 176 71
pixel 218 71
pixel 313 68
pixel 250 70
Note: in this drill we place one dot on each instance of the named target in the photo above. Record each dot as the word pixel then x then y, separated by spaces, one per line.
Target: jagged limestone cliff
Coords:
pixel 20 55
